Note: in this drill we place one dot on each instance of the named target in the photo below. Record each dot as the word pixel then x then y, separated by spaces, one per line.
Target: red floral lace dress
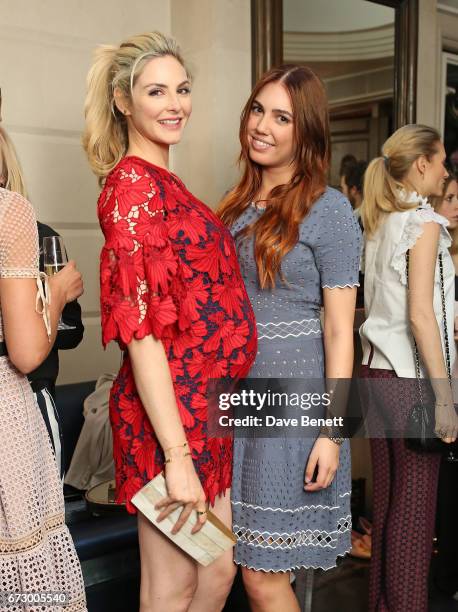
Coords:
pixel 169 268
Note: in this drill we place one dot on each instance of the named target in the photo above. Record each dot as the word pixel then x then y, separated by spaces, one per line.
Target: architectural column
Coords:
pixel 215 39
pixel 429 65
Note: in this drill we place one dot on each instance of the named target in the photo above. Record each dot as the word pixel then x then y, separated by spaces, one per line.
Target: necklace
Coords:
pixel 256 203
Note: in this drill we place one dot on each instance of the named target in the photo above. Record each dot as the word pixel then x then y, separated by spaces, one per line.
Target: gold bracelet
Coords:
pixel 170 459
pixel 177 446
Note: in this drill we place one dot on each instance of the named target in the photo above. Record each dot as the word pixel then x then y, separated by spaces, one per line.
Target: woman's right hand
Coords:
pixel 446 421
pixel 184 489
pixel 68 282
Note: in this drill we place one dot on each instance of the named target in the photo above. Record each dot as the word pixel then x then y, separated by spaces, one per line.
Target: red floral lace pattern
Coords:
pixel 169 268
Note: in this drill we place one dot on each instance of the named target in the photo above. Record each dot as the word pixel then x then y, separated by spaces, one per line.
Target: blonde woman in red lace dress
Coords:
pixel 173 298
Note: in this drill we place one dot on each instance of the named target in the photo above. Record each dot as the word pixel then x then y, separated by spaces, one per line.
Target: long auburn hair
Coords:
pixel 277 231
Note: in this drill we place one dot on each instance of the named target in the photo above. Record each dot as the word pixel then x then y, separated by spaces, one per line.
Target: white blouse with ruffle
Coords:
pixel 387 327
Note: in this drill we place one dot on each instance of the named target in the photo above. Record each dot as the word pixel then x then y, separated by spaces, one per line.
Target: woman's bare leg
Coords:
pixel 269 591
pixel 215 581
pixel 168 575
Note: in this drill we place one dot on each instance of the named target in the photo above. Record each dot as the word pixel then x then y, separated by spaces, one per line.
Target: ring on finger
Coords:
pixel 200 512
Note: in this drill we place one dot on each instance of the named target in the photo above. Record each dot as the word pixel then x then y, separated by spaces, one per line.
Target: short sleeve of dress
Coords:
pixel 412 230
pixel 138 263
pixel 18 237
pixel 338 243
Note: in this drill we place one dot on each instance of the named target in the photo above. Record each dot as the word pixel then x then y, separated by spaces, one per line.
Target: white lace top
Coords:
pixel 19 249
pixel 386 327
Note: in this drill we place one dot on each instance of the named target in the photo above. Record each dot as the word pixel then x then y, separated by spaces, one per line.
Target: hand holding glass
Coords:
pixel 54 254
pixel 54 259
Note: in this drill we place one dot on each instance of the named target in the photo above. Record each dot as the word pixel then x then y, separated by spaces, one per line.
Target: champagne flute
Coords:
pixel 54 254
pixel 54 259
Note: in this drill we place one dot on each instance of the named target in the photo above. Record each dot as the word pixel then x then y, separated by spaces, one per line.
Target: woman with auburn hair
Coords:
pixel 299 247
pixel 409 282
pixel 173 298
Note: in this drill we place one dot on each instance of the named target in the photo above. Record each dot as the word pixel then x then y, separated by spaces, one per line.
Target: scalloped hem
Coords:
pixel 293 567
pixel 351 285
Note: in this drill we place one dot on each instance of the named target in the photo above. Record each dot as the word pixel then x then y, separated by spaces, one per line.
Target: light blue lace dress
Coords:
pixel 278 525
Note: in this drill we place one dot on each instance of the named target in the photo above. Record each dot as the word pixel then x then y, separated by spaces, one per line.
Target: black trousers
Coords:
pixel 52 421
pixel 446 566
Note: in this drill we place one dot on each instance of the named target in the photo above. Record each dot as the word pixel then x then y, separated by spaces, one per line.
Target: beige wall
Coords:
pixel 46 52
pixel 438 31
pixel 429 65
pixel 215 38
pixel 448 22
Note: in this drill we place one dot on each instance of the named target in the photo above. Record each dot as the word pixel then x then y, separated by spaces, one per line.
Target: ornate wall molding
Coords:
pixel 267 49
pixel 367 44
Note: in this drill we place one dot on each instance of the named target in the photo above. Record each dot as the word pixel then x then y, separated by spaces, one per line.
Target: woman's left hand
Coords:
pixel 325 454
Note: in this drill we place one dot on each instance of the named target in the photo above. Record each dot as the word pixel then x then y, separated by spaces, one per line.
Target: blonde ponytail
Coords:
pixel 105 138
pixel 380 194
pixel 386 175
pixel 11 168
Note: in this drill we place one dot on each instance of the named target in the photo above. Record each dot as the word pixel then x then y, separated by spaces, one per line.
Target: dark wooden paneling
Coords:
pixel 406 58
pixel 267 48
pixel 267 36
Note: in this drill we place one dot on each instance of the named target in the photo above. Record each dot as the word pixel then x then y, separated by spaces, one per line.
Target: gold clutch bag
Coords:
pixel 205 546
